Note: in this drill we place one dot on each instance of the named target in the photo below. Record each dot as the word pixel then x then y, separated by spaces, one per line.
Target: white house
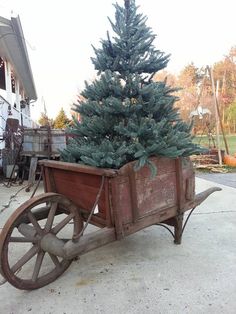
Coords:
pixel 17 88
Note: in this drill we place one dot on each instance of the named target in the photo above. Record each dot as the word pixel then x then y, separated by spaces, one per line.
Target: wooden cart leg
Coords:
pixel 178 228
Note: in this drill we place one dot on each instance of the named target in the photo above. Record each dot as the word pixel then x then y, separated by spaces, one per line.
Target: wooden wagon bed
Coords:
pixel 119 202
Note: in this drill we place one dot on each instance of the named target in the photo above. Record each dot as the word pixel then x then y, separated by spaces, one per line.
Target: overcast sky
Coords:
pixel 59 35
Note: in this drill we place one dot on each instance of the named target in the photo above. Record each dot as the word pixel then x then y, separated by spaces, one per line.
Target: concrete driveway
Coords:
pixel 146 272
pixel 228 179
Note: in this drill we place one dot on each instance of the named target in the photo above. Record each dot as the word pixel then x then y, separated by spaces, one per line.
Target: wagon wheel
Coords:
pixel 24 261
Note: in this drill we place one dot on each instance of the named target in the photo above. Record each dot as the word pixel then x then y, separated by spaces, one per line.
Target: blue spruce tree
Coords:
pixel 125 116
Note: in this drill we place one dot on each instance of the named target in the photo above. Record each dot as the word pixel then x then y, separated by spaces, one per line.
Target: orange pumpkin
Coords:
pixel 230 160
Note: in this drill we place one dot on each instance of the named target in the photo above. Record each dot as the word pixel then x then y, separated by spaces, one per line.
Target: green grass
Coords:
pixel 231 140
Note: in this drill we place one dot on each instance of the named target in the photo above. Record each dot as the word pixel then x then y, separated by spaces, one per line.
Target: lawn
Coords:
pixel 231 140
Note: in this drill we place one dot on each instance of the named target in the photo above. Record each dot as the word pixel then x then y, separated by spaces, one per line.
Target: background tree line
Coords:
pixel 61 120
pixel 191 81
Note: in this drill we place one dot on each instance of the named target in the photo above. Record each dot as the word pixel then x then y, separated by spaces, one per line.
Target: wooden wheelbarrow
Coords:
pixel 43 236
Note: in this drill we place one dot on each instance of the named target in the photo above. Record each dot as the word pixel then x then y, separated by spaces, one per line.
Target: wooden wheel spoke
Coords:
pixel 55 260
pixel 34 223
pixel 23 240
pixel 62 224
pixel 38 265
pixel 25 258
pixel 51 216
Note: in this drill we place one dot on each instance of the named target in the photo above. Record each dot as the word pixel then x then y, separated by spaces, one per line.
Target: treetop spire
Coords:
pixel 127 4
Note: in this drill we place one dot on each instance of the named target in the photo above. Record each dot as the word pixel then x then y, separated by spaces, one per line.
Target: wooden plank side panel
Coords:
pixel 82 191
pixel 156 194
pixel 80 188
pixel 137 195
pixel 163 165
pixel 120 203
pixel 78 168
pixel 149 220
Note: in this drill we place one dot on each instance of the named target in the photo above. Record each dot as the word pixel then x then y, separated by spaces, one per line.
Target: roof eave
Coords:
pixel 16 53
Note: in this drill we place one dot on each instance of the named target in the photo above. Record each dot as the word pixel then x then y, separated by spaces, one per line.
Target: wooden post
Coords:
pixel 217 116
pixel 217 109
pixel 32 172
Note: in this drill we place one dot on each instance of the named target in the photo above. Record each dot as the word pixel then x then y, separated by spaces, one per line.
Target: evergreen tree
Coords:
pixel 61 121
pixel 44 120
pixel 125 116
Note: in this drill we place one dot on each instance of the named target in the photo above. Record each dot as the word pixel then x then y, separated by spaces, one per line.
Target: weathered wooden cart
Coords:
pixel 47 231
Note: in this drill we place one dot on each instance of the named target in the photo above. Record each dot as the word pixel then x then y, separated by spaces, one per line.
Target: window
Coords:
pixel 13 84
pixel 2 74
